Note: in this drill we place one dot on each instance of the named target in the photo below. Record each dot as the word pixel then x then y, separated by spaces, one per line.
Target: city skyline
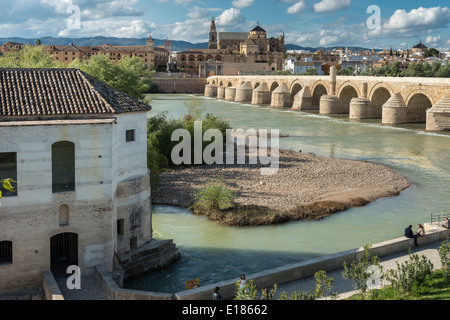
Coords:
pixel 308 23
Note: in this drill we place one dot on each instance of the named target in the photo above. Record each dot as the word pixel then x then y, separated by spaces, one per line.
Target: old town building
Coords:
pixel 234 53
pixel 154 57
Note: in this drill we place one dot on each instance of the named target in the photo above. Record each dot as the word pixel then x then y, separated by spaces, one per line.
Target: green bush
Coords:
pixel 410 273
pixel 359 270
pixel 160 129
pixel 213 197
pixel 444 255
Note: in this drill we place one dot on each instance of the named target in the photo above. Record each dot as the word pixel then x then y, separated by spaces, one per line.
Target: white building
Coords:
pixel 78 149
pixel 301 66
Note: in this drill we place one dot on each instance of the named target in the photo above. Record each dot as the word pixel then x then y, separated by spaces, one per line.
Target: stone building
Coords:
pixel 78 151
pixel 233 53
pixel 153 57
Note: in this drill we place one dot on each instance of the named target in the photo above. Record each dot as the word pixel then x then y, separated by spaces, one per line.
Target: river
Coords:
pixel 214 253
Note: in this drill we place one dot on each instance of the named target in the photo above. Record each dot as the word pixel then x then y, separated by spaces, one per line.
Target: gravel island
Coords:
pixel 306 187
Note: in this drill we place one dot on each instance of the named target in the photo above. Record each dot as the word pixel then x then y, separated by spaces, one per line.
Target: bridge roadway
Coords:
pixel 394 100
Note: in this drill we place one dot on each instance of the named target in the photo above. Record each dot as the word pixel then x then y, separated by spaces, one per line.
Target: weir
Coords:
pixel 393 100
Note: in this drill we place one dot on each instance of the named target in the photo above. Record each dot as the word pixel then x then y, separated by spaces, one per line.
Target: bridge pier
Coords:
pixel 394 110
pixel 220 92
pixel 281 97
pixel 329 104
pixel 230 93
pixel 438 117
pixel 261 95
pixel 211 90
pixel 244 92
pixel 360 109
pixel 303 100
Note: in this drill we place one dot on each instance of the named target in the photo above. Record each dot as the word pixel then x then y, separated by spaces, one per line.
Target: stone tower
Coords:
pixel 150 42
pixel 212 35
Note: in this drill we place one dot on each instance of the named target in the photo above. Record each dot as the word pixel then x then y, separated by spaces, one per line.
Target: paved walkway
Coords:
pixel 90 290
pixel 344 287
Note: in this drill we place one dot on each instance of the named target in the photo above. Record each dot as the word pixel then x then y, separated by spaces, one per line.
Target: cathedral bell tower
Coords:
pixel 150 42
pixel 212 35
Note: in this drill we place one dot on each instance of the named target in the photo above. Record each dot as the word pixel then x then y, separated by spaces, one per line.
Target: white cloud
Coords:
pixel 112 28
pixel 331 5
pixel 431 41
pixel 414 23
pixel 297 7
pixel 230 17
pixel 335 37
pixel 242 3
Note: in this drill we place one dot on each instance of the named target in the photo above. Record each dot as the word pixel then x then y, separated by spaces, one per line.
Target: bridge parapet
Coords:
pixel 360 97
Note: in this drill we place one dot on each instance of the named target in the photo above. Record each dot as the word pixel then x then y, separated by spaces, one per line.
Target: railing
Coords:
pixel 437 217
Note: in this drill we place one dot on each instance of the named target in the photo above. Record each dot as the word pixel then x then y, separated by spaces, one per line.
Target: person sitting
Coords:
pixel 446 223
pixel 420 231
pixel 409 234
pixel 216 295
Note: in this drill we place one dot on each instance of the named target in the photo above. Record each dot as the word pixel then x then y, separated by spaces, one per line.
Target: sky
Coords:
pixel 399 24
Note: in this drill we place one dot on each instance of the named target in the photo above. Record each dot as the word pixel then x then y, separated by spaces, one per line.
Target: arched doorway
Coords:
pixel 63 253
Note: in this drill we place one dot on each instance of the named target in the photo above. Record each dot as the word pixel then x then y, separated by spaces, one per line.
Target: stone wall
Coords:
pixel 308 268
pixel 180 85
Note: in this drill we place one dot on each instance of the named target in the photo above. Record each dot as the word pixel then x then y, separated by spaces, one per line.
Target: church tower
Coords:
pixel 150 42
pixel 212 35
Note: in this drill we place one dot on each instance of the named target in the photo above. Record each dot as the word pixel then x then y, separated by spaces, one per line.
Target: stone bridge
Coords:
pixel 391 99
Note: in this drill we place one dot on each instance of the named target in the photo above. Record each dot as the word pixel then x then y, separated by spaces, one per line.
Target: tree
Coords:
pixel 310 72
pixel 129 75
pixel 360 271
pixel 29 57
pixel 431 52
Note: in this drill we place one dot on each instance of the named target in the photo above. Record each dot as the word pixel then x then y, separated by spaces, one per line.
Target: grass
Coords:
pixel 435 287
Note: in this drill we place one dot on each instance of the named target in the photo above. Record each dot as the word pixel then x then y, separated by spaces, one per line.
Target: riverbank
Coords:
pixel 306 187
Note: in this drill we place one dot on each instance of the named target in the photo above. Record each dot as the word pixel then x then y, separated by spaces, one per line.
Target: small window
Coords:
pixel 5 252
pixel 121 226
pixel 63 215
pixel 130 135
pixel 133 243
pixel 8 170
pixel 63 166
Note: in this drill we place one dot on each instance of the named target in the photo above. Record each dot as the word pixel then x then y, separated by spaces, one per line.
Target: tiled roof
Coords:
pixel 56 92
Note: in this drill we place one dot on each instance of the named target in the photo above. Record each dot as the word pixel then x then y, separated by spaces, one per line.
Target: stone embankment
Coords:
pixel 306 186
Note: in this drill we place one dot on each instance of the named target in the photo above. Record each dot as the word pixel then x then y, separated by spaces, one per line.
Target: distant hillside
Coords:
pixel 177 45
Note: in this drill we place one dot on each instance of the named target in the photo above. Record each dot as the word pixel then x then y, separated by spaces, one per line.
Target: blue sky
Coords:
pixel 309 23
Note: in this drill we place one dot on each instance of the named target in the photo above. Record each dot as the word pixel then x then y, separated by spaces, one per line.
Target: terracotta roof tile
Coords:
pixel 53 92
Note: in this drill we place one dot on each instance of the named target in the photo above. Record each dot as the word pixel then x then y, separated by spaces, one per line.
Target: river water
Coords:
pixel 214 253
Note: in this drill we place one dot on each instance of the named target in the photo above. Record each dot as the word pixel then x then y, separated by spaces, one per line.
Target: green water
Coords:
pixel 215 253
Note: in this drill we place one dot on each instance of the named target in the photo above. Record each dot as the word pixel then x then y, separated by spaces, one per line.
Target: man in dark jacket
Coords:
pixel 409 234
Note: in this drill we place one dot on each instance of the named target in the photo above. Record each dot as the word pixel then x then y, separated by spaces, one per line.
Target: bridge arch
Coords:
pixel 378 85
pixel 377 99
pixel 257 84
pixel 273 86
pixel 346 93
pixel 345 86
pixel 417 103
pixel 319 89
pixel 296 86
